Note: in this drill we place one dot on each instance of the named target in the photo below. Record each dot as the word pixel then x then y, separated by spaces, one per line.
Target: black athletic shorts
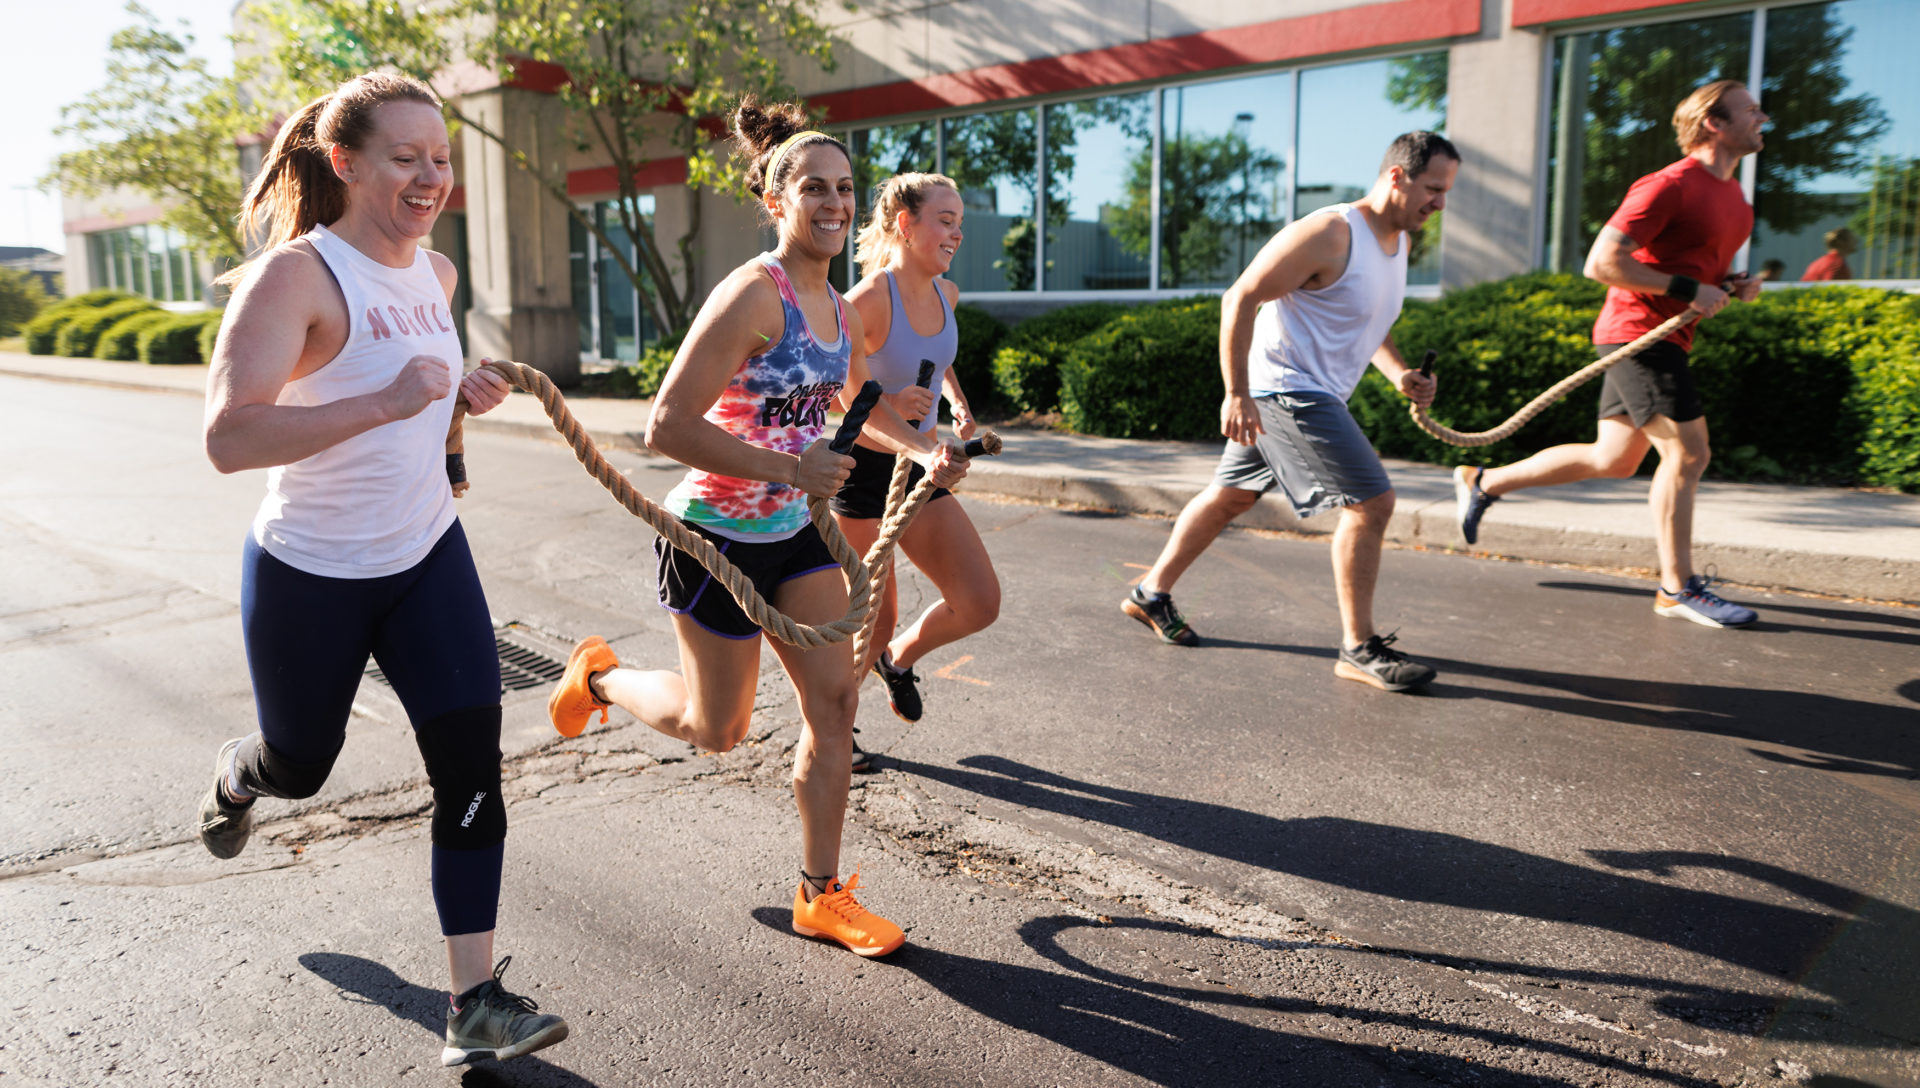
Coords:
pixel 689 589
pixel 864 495
pixel 1655 382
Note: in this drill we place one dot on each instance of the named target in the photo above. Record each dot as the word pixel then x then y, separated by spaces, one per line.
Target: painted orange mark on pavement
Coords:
pixel 948 673
pixel 1138 578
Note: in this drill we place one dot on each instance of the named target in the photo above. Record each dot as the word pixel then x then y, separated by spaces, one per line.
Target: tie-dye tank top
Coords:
pixel 777 400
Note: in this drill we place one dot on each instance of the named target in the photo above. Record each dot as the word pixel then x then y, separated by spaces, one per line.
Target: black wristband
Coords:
pixel 1683 288
pixel 456 468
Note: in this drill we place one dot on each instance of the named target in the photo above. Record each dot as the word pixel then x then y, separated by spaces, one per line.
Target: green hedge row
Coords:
pixel 1810 385
pixel 43 332
pixel 121 341
pixel 81 335
pixel 181 339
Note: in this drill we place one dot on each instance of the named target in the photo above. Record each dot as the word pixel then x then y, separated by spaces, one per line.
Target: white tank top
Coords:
pixel 376 503
pixel 1321 340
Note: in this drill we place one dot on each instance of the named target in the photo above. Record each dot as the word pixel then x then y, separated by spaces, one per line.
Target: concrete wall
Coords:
pixel 1494 116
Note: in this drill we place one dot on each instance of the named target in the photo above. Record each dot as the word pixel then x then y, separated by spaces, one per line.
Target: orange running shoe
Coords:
pixel 836 915
pixel 573 702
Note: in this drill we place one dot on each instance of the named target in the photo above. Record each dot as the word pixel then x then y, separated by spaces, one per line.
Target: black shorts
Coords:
pixel 864 495
pixel 1656 382
pixel 689 589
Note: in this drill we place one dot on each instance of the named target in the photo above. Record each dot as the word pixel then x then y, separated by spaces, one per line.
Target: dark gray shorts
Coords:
pixel 1312 450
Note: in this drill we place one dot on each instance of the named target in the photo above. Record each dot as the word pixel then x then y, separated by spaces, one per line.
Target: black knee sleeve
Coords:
pixel 268 773
pixel 462 752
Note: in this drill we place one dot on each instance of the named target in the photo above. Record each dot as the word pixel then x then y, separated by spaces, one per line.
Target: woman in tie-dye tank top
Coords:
pixel 744 408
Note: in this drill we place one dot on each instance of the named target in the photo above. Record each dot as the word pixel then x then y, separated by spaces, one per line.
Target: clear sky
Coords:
pixel 56 53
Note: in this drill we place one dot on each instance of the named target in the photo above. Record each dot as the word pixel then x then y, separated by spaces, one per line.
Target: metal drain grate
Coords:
pixel 520 667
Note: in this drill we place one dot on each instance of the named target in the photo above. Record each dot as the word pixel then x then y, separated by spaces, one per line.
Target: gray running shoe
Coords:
pixel 1376 662
pixel 489 1022
pixel 1157 612
pixel 224 828
pixel 1469 502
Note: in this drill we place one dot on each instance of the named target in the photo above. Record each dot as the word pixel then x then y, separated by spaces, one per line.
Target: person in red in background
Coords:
pixel 1668 248
pixel 1832 265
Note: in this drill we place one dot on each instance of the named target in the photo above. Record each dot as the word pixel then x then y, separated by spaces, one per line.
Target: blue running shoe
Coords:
pixel 1470 503
pixel 1699 603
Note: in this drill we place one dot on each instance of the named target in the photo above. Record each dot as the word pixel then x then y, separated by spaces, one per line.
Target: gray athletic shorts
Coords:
pixel 1312 450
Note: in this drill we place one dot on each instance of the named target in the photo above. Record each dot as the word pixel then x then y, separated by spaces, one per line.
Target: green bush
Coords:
pixel 43 332
pixel 1026 369
pixel 177 339
pixel 21 297
pixel 980 336
pixel 1152 372
pixel 209 333
pixel 120 343
pixel 78 338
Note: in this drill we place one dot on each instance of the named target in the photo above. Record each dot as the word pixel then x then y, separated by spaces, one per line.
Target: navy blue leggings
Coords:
pixel 308 638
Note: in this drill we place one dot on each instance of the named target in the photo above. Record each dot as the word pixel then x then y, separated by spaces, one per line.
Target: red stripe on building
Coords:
pixel 606 179
pixel 1369 26
pixel 1536 12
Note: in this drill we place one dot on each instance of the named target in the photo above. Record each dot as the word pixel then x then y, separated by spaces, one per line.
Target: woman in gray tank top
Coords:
pixel 906 309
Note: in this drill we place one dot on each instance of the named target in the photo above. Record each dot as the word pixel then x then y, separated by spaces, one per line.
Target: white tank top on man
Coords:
pixel 1321 340
pixel 376 503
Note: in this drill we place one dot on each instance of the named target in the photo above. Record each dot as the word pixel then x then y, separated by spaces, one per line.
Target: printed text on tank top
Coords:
pixel 388 319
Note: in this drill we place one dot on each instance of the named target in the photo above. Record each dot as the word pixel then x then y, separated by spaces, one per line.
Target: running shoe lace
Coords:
pixel 841 901
pixel 1385 651
pixel 498 995
pixel 1702 588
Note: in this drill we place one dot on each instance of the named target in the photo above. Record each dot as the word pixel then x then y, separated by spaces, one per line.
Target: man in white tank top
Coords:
pixel 1297 331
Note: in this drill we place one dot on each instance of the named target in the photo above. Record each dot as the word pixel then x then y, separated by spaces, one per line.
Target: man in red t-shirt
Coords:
pixel 1832 265
pixel 1668 248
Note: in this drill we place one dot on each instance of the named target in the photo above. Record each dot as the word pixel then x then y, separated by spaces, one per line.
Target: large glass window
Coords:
pixel 1349 114
pixel 878 154
pixel 1099 194
pixel 1614 94
pixel 1223 177
pixel 146 260
pixel 615 322
pixel 995 159
pixel 1842 161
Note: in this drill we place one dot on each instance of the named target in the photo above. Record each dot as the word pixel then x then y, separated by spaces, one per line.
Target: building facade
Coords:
pixel 1135 149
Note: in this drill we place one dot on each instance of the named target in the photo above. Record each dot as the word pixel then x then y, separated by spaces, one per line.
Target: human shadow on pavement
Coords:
pixel 1842 734
pixel 1191 1037
pixel 367 982
pixel 1904 630
pixel 1447 870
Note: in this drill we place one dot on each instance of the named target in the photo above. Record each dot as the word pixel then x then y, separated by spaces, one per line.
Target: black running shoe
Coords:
pixel 1376 662
pixel 489 1022
pixel 1469 502
pixel 224 826
pixel 1157 612
pixel 862 759
pixel 902 696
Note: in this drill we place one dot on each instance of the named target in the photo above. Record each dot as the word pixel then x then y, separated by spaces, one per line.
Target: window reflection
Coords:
pixel 1222 176
pixel 878 154
pixel 1838 193
pixel 994 158
pixel 1099 184
pixel 1620 88
pixel 615 322
pixel 1349 114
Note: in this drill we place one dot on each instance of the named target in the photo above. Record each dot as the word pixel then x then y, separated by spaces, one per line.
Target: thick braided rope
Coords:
pixel 901 508
pixel 678 535
pixel 1559 389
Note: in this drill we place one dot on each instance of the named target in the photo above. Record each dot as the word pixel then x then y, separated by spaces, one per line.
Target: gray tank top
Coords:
pixel 897 364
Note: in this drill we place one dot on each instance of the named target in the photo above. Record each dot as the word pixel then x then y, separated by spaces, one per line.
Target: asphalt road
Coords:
pixel 1603 848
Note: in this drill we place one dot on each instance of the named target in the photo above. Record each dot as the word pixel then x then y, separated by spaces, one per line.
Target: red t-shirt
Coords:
pixel 1828 266
pixel 1688 223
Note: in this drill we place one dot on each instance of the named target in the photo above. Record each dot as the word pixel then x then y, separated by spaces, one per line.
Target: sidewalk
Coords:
pixel 1824 540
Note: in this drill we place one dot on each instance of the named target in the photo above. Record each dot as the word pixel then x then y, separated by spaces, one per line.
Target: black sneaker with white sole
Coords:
pixel 1376 662
pixel 902 695
pixel 489 1022
pixel 1157 612
pixel 224 826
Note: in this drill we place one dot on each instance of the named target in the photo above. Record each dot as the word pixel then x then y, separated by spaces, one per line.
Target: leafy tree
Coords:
pixel 1209 200
pixel 1888 221
pixel 646 79
pixel 164 125
pixel 1627 82
pixel 21 297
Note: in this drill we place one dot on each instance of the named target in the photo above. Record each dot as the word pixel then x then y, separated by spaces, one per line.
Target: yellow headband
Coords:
pixel 773 160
